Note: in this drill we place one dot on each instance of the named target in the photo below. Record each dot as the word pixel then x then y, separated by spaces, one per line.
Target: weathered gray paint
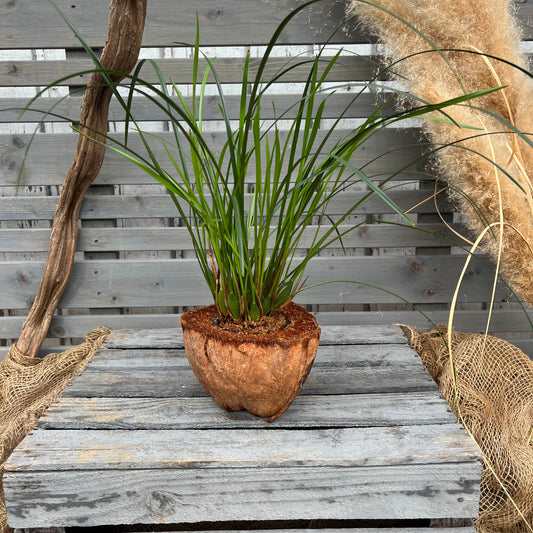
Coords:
pixel 51 155
pixel 154 206
pixel 229 70
pixel 233 23
pixel 351 446
pixel 189 495
pixel 391 409
pixel 24 219
pixel 143 282
pixel 177 238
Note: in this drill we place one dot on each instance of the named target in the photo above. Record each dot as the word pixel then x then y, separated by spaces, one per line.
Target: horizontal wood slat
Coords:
pixel 59 109
pixel 311 411
pixel 170 440
pixel 111 449
pixel 371 354
pixel 188 494
pixel 510 321
pixel 139 283
pixel 50 156
pixel 77 72
pixel 232 22
pixel 332 335
pixel 161 206
pixel 322 381
pixel 177 238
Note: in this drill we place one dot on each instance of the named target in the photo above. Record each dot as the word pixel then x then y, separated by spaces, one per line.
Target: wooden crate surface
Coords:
pixel 135 439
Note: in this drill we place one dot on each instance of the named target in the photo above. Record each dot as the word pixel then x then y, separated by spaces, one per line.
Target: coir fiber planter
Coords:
pixel 259 372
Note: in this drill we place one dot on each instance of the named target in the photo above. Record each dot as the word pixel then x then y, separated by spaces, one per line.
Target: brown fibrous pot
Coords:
pixel 259 372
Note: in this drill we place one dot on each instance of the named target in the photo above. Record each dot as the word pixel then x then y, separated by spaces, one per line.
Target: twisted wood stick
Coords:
pixel 121 50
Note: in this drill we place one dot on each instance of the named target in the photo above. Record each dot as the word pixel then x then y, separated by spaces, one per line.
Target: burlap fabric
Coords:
pixel 492 395
pixel 28 386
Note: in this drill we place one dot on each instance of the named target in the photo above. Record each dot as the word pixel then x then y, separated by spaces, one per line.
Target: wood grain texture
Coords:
pixel 161 205
pixel 331 335
pixel 307 411
pixel 58 450
pixel 177 238
pixel 122 45
pixel 512 322
pixel 322 380
pixel 233 22
pixel 50 156
pixel 145 110
pixel 145 282
pixel 78 71
pixel 368 355
pixel 135 439
pixel 191 495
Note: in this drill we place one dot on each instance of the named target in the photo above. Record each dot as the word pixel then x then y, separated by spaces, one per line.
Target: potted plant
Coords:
pixel 246 207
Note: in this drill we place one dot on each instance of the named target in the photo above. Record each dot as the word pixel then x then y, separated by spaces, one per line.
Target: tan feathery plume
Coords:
pixel 480 161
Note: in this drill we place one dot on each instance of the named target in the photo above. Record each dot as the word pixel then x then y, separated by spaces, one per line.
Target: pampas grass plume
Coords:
pixel 477 161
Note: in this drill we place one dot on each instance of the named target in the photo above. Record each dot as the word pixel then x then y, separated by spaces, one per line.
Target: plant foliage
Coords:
pixel 247 205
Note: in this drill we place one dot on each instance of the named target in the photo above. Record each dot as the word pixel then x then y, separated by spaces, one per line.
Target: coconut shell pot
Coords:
pixel 258 372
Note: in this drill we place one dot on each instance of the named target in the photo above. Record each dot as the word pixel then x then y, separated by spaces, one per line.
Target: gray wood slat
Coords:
pixel 369 355
pixel 145 282
pixel 331 335
pixel 232 23
pixel 523 343
pixel 177 238
pixel 144 110
pixel 192 495
pixel 50 157
pixel 75 325
pixel 322 380
pixel 56 450
pixel 307 411
pixel 349 68
pixel 161 206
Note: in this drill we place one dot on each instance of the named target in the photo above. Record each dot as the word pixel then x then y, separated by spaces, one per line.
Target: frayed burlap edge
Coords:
pixel 492 395
pixel 28 386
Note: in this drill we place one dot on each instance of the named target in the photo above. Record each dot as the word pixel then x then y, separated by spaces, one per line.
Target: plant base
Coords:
pixel 261 373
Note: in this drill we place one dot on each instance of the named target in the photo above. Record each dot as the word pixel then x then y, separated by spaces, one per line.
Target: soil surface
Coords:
pixel 268 324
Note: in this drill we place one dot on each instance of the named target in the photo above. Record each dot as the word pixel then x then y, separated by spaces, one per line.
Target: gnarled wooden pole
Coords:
pixel 121 50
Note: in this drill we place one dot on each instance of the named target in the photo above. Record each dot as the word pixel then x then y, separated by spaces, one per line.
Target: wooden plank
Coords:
pixel 77 72
pixel 370 355
pixel 145 110
pixel 192 495
pixel 183 384
pixel 307 411
pixel 50 157
pixel 145 282
pixel 331 334
pixel 161 206
pixel 75 326
pixel 232 23
pixel 56 450
pixel 373 235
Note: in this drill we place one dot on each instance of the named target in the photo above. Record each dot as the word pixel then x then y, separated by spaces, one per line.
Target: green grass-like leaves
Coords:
pixel 247 205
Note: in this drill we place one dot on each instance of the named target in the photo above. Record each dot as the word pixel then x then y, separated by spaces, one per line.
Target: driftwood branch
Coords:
pixel 121 50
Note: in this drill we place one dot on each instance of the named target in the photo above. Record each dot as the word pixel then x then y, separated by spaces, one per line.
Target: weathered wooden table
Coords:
pixel 136 440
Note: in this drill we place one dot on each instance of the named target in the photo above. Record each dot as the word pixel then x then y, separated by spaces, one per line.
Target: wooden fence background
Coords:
pixel 134 266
